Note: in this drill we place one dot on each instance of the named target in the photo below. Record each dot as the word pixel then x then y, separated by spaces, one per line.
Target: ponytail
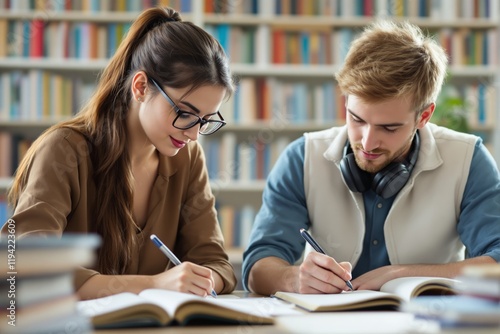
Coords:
pixel 113 176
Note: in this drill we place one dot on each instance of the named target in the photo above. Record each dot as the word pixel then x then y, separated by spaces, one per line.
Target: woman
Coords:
pixel 128 165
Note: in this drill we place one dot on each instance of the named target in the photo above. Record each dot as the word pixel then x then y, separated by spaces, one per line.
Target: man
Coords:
pixel 387 195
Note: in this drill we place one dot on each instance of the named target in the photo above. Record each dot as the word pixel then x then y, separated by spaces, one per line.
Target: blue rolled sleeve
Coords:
pixel 283 213
pixel 479 221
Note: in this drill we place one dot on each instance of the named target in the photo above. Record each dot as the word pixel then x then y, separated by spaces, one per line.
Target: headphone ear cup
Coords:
pixel 356 179
pixel 390 180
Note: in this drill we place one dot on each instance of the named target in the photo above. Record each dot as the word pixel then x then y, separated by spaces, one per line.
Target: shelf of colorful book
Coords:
pixel 238 158
pixel 269 12
pixel 95 6
pixel 236 224
pixel 81 66
pixel 71 16
pixel 262 39
pixel 239 69
pixel 327 21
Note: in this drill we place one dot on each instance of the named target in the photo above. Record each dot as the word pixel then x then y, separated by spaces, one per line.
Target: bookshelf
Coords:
pixel 285 53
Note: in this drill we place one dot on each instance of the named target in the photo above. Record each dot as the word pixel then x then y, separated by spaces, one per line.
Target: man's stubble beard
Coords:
pixel 369 167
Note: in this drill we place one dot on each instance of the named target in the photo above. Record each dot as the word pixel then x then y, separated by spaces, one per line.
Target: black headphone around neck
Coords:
pixel 388 181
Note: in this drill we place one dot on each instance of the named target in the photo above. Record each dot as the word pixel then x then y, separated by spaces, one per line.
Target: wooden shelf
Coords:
pixel 76 16
pixel 247 186
pixel 332 22
pixel 247 70
pixel 277 126
pixel 63 64
pixel 5 183
pixel 235 255
pixel 250 186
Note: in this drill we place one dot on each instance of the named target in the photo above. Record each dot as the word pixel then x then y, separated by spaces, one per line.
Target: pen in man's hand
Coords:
pixel 171 256
pixel 310 240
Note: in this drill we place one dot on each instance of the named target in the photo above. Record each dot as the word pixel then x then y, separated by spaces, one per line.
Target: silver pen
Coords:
pixel 310 240
pixel 171 256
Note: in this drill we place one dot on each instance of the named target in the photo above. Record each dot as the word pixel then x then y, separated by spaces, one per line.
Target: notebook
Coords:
pixel 391 295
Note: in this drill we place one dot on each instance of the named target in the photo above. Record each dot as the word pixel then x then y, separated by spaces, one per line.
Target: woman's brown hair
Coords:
pixel 175 53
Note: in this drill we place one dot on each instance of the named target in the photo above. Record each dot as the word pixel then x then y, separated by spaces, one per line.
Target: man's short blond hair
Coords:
pixel 391 60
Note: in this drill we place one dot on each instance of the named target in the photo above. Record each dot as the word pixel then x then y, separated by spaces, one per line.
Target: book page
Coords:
pixel 409 287
pixel 347 300
pixel 171 300
pixel 122 308
pixel 94 307
pixel 264 306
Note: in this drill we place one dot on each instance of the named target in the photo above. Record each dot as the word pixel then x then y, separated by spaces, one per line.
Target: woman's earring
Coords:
pixel 139 99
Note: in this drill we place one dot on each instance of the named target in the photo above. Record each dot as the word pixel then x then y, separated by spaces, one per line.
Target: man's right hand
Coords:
pixel 320 273
pixel 317 274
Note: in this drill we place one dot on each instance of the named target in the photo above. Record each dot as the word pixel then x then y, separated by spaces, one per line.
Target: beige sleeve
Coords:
pixel 51 189
pixel 81 276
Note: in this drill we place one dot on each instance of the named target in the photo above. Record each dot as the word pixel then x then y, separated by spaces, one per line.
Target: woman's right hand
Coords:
pixel 186 277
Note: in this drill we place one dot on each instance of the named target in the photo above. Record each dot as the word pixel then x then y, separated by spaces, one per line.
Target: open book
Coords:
pixel 156 307
pixel 391 295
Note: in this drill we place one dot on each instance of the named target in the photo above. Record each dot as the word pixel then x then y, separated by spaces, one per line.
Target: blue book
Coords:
pixel 484 49
pixel 237 161
pixel 423 10
pixel 26 38
pixel 77 37
pixel 15 92
pixel 236 106
pixel 481 104
pixel 3 212
pixel 112 28
pixel 277 7
pixel 305 48
pixel 254 7
pixel 185 6
pixel 224 36
pixel 299 105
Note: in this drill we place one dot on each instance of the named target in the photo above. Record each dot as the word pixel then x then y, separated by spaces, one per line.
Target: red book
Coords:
pixel 368 8
pixel 263 103
pixel 209 6
pixel 36 40
pixel 341 111
pixel 279 47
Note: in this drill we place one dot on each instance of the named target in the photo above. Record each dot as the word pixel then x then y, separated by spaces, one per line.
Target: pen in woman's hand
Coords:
pixel 310 240
pixel 171 256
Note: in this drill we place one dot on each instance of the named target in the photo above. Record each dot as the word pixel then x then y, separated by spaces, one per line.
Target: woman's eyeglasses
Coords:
pixel 186 120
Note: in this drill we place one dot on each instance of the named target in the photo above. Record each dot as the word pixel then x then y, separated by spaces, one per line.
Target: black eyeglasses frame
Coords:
pixel 181 112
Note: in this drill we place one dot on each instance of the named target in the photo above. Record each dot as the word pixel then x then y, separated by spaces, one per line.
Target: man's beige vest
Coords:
pixel 421 226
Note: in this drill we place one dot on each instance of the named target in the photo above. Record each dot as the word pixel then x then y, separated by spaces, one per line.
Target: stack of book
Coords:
pixel 480 281
pixel 476 302
pixel 36 280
